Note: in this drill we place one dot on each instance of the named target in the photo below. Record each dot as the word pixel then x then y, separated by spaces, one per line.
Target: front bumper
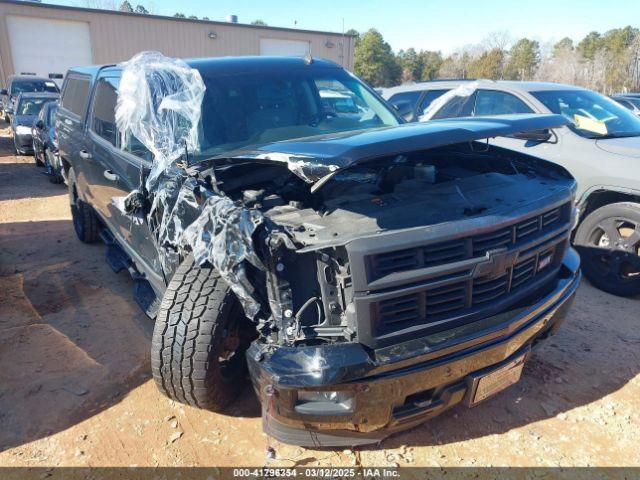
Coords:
pixel 400 386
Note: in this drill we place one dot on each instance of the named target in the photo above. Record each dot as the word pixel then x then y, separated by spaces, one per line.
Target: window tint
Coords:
pixel 103 119
pixel 456 107
pixel 492 102
pixel 429 97
pixel 405 103
pixel 75 95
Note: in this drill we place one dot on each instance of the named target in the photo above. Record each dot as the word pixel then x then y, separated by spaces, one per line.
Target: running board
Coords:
pixel 146 297
pixel 118 260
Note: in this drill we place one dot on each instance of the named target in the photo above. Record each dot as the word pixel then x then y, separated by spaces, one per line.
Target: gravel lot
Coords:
pixel 75 385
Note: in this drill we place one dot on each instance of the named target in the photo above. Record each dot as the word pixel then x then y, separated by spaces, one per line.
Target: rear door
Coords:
pixel 71 127
pixel 117 167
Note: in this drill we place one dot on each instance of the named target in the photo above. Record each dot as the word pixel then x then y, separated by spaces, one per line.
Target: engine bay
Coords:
pixel 388 193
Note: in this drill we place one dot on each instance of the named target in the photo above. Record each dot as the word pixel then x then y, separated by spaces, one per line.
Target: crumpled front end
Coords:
pixel 347 395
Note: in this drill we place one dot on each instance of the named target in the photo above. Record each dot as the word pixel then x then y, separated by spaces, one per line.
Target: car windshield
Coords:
pixel 30 106
pixel 592 115
pixel 33 86
pixel 250 109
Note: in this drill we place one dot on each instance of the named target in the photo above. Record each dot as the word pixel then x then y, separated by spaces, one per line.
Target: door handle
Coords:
pixel 84 154
pixel 109 175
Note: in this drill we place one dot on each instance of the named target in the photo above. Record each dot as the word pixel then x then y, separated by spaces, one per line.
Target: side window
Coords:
pixel 493 102
pixel 405 103
pixel 103 117
pixel 429 97
pixel 76 95
pixel 132 145
pixel 456 107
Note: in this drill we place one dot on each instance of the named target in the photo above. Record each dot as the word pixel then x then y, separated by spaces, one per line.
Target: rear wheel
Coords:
pixel 609 243
pixel 199 340
pixel 85 222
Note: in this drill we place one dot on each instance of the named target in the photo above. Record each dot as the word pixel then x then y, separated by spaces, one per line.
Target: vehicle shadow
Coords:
pixel 595 353
pixel 72 341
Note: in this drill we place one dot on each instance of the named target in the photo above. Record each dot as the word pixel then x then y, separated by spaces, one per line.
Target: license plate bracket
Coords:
pixel 487 383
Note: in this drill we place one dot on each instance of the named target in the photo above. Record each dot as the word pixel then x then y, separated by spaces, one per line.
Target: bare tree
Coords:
pixel 101 4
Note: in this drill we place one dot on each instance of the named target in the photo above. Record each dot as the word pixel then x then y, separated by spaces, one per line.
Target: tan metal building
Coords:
pixel 49 39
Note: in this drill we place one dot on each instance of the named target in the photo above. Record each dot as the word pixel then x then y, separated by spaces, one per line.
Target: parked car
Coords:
pixel 45 142
pixel 25 111
pixel 370 274
pixel 600 147
pixel 630 102
pixel 17 84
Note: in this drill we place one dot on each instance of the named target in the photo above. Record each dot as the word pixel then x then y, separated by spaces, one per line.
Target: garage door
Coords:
pixel 276 46
pixel 48 47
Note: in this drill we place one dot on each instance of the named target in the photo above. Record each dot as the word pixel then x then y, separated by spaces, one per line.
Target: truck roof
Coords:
pixel 232 64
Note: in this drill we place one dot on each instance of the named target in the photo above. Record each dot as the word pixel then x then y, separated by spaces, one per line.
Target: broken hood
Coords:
pixel 317 157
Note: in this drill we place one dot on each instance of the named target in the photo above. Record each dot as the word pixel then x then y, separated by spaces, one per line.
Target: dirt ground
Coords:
pixel 75 385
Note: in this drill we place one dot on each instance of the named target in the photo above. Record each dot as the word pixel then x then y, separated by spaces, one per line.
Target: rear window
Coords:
pixel 76 95
pixel 21 86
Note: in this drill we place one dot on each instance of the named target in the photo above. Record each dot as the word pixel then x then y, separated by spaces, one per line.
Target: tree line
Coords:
pixel 608 62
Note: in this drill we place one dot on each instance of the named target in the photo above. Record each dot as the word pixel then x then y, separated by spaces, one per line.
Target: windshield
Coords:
pixel 593 115
pixel 249 109
pixel 31 106
pixel 33 86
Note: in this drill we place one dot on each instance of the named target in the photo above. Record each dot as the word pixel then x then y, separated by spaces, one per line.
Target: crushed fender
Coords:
pixel 159 102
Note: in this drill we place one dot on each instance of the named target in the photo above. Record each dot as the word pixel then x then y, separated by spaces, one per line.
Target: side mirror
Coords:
pixel 39 124
pixel 541 135
pixel 4 92
pixel 8 110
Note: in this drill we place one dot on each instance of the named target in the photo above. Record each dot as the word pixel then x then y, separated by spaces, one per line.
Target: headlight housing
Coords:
pixel 23 130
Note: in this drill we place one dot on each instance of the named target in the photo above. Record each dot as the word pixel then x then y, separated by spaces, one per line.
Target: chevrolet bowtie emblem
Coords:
pixel 496 264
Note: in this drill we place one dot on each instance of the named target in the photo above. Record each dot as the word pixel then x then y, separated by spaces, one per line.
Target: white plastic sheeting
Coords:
pixel 159 102
pixel 464 90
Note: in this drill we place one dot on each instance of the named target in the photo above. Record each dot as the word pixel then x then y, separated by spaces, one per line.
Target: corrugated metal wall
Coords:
pixel 116 37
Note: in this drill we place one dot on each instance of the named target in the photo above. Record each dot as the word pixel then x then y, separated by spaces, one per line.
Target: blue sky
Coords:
pixel 424 24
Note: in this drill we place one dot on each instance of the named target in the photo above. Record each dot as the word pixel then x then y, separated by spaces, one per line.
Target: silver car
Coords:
pixel 601 149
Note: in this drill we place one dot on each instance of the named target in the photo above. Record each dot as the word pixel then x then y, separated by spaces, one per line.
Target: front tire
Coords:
pixel 609 244
pixel 85 222
pixel 199 340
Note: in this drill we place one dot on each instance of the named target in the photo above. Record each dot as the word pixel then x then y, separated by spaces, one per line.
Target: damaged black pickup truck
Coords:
pixel 276 215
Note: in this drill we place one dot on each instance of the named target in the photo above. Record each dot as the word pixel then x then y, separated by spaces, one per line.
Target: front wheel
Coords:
pixel 199 339
pixel 609 244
